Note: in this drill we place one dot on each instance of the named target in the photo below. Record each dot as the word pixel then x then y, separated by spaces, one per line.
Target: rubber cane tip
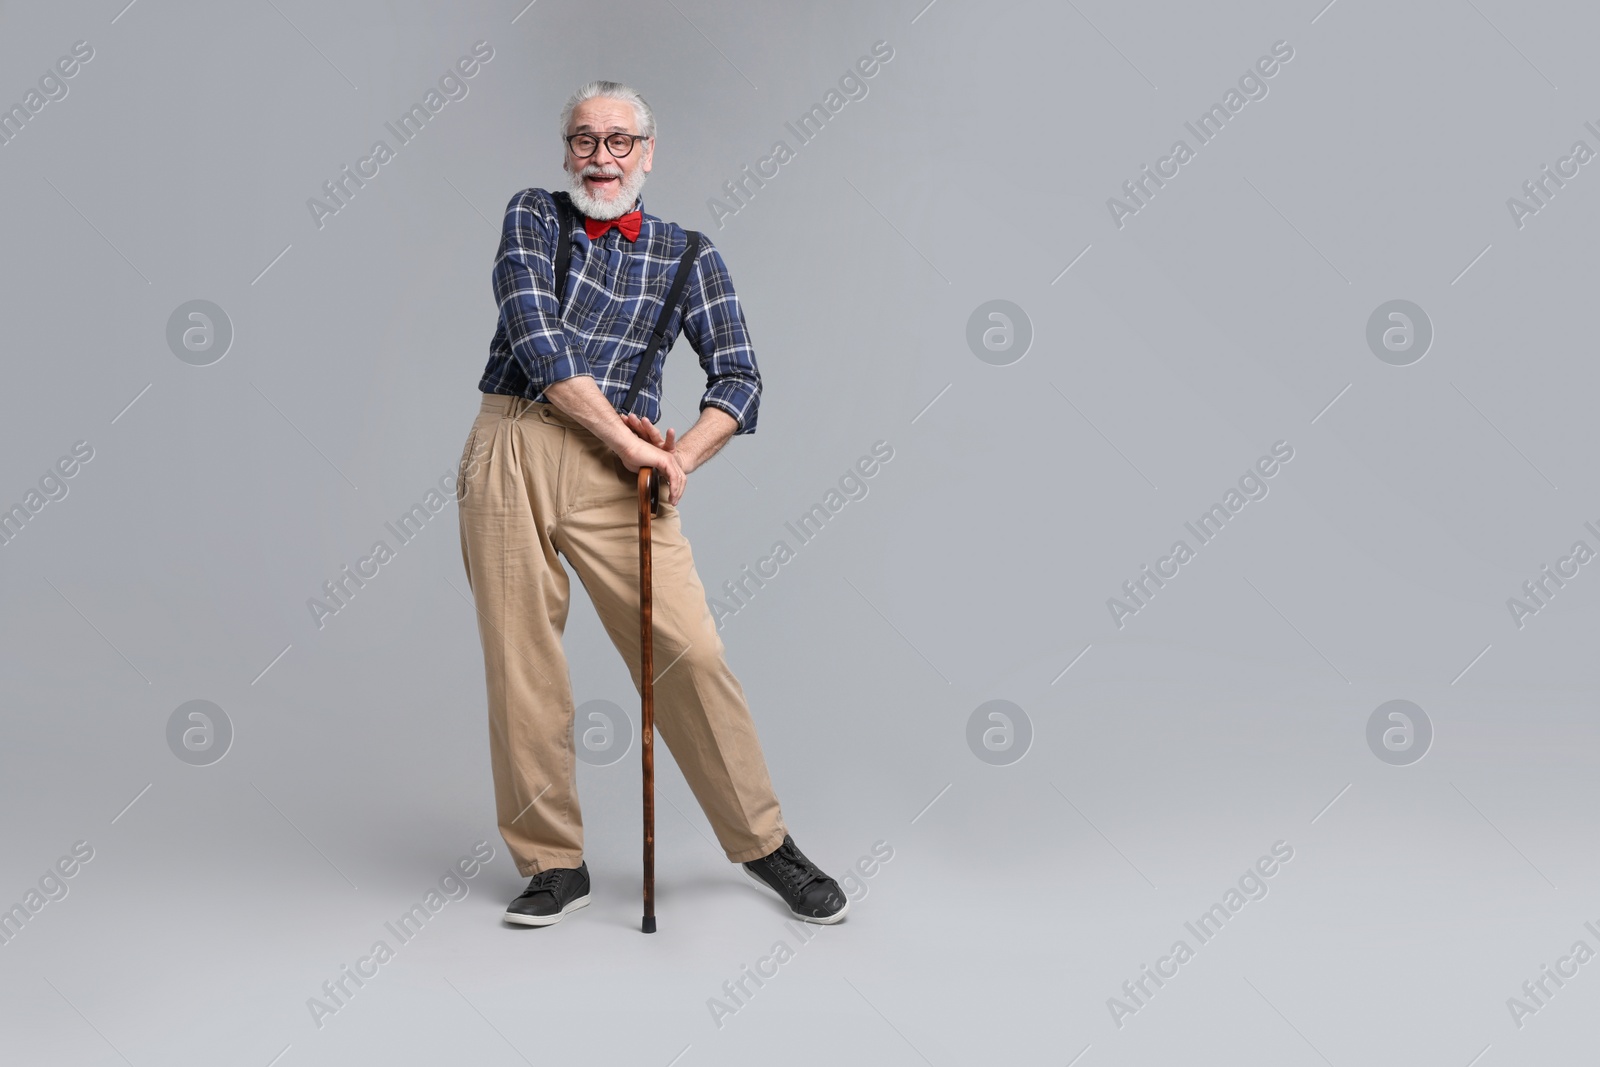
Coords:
pixel 649 924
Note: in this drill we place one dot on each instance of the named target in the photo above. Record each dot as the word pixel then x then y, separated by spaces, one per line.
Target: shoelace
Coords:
pixel 794 868
pixel 545 881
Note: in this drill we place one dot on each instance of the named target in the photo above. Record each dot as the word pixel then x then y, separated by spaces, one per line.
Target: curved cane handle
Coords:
pixel 650 490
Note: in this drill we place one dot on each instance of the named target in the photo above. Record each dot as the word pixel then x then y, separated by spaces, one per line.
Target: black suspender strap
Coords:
pixel 680 282
pixel 563 251
pixel 658 336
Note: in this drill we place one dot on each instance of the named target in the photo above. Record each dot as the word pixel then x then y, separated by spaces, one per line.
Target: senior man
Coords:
pixel 550 470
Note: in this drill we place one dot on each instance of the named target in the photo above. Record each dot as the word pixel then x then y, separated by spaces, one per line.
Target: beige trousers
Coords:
pixel 535 484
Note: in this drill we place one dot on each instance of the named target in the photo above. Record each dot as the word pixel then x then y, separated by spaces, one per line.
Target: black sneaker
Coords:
pixel 810 894
pixel 550 895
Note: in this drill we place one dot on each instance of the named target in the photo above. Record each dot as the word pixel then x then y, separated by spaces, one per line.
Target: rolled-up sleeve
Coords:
pixel 523 288
pixel 714 323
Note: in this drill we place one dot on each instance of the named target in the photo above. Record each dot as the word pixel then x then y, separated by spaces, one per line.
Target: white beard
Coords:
pixel 603 209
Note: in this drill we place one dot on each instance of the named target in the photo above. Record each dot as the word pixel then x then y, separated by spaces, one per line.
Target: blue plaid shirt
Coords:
pixel 615 291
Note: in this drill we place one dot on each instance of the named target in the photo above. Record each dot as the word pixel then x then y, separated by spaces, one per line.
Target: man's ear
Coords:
pixel 649 155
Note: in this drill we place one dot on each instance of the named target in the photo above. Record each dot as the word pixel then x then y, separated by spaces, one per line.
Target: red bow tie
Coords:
pixel 627 225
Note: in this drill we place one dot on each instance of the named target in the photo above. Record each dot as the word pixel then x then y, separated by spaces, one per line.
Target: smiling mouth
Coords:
pixel 600 179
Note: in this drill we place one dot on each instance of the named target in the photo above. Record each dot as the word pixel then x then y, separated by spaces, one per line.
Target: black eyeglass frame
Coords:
pixel 633 139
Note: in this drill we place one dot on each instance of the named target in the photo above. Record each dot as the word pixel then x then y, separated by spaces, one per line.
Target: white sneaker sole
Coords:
pixel 825 921
pixel 547 920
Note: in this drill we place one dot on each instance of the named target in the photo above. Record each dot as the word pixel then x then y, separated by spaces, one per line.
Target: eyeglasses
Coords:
pixel 620 145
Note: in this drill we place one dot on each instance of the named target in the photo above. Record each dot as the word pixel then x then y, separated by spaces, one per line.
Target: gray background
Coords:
pixel 1167 755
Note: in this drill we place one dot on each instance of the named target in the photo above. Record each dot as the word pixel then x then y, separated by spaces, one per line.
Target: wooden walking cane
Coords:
pixel 649 503
pixel 649 500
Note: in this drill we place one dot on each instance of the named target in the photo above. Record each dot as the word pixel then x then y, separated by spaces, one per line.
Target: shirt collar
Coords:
pixel 644 219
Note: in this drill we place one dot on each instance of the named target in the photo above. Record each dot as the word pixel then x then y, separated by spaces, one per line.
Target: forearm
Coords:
pixel 706 437
pixel 581 398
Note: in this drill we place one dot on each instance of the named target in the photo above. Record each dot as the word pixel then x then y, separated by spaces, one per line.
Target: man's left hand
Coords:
pixel 694 448
pixel 647 432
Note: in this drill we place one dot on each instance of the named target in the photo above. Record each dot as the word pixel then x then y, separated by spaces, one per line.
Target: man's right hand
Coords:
pixel 580 398
pixel 640 453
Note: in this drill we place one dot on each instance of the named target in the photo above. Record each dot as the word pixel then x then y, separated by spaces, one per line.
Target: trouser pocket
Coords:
pixel 473 457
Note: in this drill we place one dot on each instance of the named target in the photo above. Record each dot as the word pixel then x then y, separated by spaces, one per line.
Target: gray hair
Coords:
pixel 611 91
